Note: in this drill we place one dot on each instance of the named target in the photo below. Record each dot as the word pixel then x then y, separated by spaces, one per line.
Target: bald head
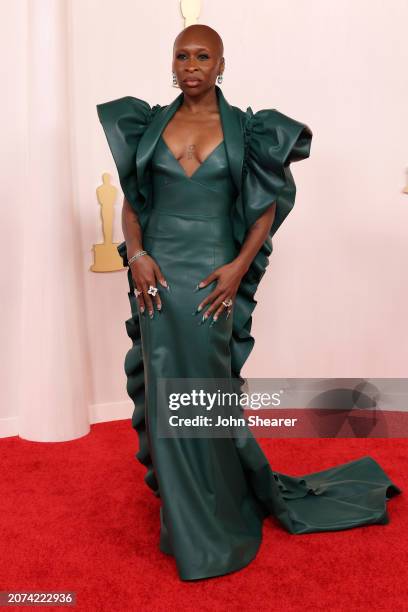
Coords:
pixel 197 58
pixel 200 34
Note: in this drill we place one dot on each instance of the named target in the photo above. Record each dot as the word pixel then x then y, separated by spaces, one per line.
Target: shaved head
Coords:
pixel 197 59
pixel 200 33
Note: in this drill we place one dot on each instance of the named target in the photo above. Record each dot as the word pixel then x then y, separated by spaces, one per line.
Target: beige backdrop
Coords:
pixel 334 300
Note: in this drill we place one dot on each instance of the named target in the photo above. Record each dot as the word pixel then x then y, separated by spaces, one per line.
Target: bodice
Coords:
pixel 208 192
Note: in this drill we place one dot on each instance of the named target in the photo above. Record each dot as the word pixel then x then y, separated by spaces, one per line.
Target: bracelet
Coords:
pixel 136 255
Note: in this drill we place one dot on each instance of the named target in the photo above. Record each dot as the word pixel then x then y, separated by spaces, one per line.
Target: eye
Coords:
pixel 204 55
pixel 180 55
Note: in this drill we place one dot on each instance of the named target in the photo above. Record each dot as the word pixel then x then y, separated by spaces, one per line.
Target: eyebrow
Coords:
pixel 199 49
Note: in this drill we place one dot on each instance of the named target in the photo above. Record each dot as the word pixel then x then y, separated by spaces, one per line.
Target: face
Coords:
pixel 197 63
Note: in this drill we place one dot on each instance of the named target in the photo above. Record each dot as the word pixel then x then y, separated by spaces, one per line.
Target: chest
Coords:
pixel 192 142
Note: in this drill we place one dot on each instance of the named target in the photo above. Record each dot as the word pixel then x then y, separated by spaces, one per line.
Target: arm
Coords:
pixel 132 231
pixel 145 270
pixel 255 238
pixel 229 276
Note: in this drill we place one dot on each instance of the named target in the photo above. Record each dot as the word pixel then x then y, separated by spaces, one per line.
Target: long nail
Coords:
pixel 202 320
pixel 196 288
pixel 168 287
pixel 213 321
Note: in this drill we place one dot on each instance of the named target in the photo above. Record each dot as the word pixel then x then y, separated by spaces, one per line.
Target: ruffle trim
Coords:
pixel 124 122
pixel 135 386
pixel 272 141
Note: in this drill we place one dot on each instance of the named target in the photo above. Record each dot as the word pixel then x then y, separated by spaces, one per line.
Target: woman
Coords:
pixel 206 186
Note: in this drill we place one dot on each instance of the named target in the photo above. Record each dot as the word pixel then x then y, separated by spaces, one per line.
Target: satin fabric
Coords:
pixel 216 492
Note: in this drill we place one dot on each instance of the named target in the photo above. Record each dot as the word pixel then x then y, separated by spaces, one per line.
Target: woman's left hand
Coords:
pixel 228 279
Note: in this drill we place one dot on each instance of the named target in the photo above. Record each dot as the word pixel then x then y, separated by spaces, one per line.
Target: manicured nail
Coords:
pixel 164 283
pixel 202 320
pixel 213 321
pixel 168 287
pixel 196 288
pixel 142 309
pixel 151 314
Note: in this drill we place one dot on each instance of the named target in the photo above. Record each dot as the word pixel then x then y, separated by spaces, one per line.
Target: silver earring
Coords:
pixel 219 78
pixel 175 83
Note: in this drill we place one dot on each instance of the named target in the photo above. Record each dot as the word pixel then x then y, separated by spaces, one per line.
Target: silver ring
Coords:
pixel 227 302
pixel 152 290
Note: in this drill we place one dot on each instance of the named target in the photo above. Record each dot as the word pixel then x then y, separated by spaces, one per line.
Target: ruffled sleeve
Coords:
pixel 272 142
pixel 124 121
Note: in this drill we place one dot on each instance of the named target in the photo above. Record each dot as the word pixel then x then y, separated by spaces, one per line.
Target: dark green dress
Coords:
pixel 216 492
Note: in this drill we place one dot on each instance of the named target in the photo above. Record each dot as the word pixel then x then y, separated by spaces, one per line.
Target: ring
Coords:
pixel 152 290
pixel 227 302
pixel 137 292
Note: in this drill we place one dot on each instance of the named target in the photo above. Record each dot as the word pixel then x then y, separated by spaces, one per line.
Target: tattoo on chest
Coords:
pixel 190 151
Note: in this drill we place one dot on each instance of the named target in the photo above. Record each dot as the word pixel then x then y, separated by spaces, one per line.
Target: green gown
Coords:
pixel 216 492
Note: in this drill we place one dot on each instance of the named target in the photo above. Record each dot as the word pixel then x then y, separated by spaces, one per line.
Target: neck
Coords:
pixel 206 102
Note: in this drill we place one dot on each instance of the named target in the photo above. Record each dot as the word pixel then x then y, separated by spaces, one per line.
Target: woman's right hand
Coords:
pixel 145 273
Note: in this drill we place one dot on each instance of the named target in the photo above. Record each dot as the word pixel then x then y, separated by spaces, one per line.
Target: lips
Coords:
pixel 191 81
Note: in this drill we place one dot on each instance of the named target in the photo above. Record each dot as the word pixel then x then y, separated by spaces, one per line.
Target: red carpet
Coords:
pixel 77 516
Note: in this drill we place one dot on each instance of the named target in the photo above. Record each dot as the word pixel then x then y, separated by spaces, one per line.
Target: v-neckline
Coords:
pixel 202 163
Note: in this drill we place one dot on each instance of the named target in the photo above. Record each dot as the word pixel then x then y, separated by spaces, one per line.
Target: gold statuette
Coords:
pixel 106 256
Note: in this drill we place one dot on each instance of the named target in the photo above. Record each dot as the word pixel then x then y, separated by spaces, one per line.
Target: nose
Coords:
pixel 191 64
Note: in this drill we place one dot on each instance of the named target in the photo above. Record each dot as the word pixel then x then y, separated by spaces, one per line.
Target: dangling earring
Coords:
pixel 175 83
pixel 219 78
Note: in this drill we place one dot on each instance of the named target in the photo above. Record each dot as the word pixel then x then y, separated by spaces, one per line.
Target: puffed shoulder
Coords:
pixel 124 121
pixel 273 141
